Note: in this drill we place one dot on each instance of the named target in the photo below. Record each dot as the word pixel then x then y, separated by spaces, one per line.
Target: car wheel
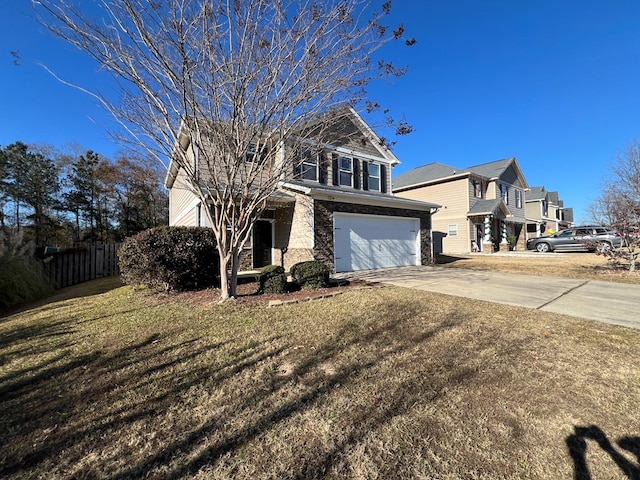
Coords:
pixel 603 247
pixel 543 247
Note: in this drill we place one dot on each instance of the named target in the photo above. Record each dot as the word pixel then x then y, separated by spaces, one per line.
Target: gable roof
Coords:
pixel 439 171
pixel 425 174
pixel 494 206
pixel 492 169
pixel 344 127
pixel 536 194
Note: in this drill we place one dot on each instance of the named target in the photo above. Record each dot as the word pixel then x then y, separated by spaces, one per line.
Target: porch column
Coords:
pixel 504 243
pixel 487 244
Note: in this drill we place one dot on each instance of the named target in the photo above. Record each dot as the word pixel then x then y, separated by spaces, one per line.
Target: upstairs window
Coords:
pixel 504 193
pixel 518 199
pixel 345 171
pixel 309 166
pixel 373 176
pixel 545 208
pixel 477 188
pixel 252 154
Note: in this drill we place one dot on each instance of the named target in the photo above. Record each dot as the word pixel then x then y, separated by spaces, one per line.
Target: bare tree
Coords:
pixel 232 81
pixel 619 205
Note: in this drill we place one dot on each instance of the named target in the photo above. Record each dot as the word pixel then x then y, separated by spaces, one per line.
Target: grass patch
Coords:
pixel 588 266
pixel 380 383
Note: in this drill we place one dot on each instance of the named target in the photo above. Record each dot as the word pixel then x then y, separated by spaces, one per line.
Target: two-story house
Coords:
pixel 545 212
pixel 482 206
pixel 336 206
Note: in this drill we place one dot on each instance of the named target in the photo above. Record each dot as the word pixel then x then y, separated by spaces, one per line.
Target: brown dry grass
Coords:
pixel 379 383
pixel 588 266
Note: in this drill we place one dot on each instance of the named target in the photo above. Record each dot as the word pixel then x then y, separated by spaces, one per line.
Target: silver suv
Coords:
pixel 584 238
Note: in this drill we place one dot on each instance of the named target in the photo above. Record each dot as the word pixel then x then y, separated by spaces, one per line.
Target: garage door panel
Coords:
pixel 365 242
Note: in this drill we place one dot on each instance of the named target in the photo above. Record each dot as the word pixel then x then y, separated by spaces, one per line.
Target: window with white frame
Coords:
pixel 252 154
pixel 374 176
pixel 504 193
pixel 345 171
pixel 518 199
pixel 309 166
pixel 453 230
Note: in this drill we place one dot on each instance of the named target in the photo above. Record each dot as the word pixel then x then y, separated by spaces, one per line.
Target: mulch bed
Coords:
pixel 248 293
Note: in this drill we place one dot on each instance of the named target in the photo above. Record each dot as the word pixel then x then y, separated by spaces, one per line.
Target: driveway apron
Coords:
pixel 595 300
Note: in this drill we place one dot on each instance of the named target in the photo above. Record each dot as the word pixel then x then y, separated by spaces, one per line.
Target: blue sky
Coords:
pixel 554 83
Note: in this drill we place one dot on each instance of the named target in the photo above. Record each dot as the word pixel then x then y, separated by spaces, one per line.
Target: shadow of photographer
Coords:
pixel 577 445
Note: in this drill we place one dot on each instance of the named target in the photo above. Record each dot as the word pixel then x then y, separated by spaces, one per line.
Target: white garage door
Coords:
pixel 363 242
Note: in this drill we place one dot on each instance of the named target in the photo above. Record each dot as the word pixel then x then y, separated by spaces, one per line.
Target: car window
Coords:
pixel 565 233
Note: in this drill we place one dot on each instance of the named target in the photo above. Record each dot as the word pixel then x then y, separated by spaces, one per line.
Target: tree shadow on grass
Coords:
pixel 48 409
pixel 577 445
pixel 70 414
pixel 86 289
pixel 379 411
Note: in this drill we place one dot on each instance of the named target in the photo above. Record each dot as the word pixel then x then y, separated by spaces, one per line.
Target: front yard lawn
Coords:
pixel 588 266
pixel 376 383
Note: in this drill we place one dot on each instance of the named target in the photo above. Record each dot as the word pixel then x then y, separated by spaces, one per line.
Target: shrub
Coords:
pixel 272 279
pixel 21 278
pixel 311 274
pixel 170 258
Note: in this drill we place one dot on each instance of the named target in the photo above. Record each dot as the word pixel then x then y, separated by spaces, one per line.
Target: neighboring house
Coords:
pixel 545 212
pixel 482 206
pixel 562 216
pixel 337 207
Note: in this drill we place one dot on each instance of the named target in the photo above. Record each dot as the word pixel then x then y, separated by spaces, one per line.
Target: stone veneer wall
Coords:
pixel 323 220
pixel 246 260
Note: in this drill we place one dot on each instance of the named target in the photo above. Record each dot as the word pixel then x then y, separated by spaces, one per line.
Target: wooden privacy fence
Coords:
pixel 68 268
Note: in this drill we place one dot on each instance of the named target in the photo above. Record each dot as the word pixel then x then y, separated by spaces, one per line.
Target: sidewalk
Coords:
pixel 609 302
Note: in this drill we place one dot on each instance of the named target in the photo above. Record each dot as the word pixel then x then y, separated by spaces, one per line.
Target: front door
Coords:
pixel 262 243
pixel 478 236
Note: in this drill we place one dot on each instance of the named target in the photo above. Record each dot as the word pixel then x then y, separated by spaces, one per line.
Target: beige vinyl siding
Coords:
pixel 452 195
pixel 454 198
pixel 189 219
pixel 180 199
pixel 458 244
pixel 493 190
pixel 533 210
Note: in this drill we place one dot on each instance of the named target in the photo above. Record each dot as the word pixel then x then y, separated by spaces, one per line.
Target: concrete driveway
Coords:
pixel 595 300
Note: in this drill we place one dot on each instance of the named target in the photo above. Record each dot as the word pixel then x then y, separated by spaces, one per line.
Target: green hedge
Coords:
pixel 170 258
pixel 311 274
pixel 272 279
